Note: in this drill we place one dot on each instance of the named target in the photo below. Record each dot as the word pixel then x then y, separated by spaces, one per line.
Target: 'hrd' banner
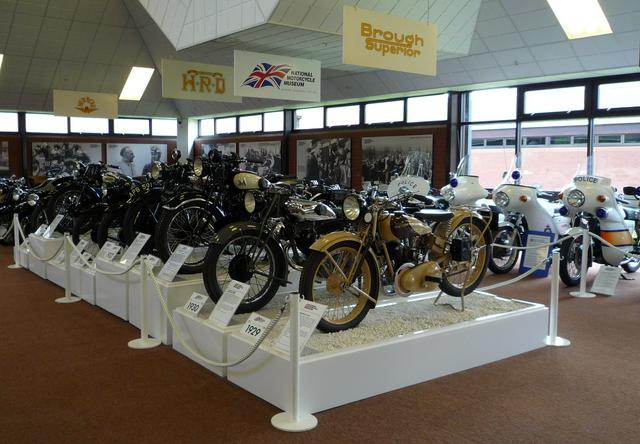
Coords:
pixel 276 77
pixel 197 81
pixel 378 40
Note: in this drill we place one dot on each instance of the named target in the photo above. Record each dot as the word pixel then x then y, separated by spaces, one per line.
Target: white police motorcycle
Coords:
pixel 593 203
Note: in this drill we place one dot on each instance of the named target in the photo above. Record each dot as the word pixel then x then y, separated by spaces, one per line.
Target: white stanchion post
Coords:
pixel 584 267
pixel 293 421
pixel 144 341
pixel 16 243
pixel 553 338
pixel 67 299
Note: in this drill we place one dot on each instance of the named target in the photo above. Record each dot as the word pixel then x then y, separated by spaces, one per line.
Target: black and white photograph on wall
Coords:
pixel 135 159
pixel 51 158
pixel 327 159
pixel 383 158
pixel 4 158
pixel 223 148
pixel 261 157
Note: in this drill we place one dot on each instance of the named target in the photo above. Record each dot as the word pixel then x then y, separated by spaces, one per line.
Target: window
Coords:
pixel 428 108
pixel 9 122
pixel 89 125
pixel 207 127
pixel 309 118
pixel 495 142
pixel 613 159
pixel 46 123
pixel 610 138
pixel 274 121
pixel 554 100
pixel 164 127
pixel 489 162
pixel 580 140
pixel 226 125
pixel 477 142
pixel 131 126
pixel 251 124
pixel 343 115
pixel 384 112
pixel 492 104
pixel 619 95
pixel 535 141
pixel 632 138
pixel 561 140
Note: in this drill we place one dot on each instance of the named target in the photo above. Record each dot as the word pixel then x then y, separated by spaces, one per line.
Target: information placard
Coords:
pixel 52 226
pixel 196 303
pixel 134 249
pixel 606 280
pixel 310 315
pixel 532 258
pixel 254 327
pixel 171 268
pixel 109 250
pixel 41 229
pixel 80 263
pixel 82 244
pixel 228 303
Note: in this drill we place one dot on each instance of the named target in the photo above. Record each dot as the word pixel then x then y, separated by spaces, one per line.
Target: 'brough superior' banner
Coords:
pixel 197 81
pixel 384 41
pixel 276 77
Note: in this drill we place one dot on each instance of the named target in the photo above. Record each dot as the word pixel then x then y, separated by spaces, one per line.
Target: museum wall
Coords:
pixel 10 155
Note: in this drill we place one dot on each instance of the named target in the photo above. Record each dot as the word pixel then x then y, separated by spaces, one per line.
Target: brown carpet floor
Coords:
pixel 67 376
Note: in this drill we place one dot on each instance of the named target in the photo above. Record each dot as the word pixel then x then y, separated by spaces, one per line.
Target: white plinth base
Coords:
pixel 333 378
pixel 175 294
pixel 56 273
pixel 557 341
pixel 582 294
pixel 23 254
pixel 285 422
pixel 69 300
pixel 44 248
pixel 203 336
pixel 38 267
pixel 14 266
pixel 141 344
pixel 112 291
pixel 83 283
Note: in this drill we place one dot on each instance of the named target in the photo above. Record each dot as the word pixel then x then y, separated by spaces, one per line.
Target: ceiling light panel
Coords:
pixel 136 83
pixel 580 18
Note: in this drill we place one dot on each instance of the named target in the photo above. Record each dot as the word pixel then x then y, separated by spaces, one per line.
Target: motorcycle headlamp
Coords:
pixel 249 202
pixel 104 189
pixel 575 198
pixel 156 170
pixel 449 194
pixel 501 199
pixel 32 199
pixel 17 194
pixel 198 167
pixel 351 207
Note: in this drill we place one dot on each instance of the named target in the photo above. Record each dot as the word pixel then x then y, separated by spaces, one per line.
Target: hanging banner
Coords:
pixel 276 77
pixel 197 81
pixel 379 40
pixel 84 104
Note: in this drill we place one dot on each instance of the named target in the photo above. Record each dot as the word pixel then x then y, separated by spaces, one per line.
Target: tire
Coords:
pixel 83 224
pixel 570 261
pixel 228 261
pixel 503 259
pixel 59 203
pixel 6 231
pixel 38 217
pixel 632 266
pixel 138 219
pixel 109 228
pixel 320 278
pixel 479 264
pixel 183 226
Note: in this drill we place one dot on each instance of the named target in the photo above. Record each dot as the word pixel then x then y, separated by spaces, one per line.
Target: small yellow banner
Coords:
pixel 197 81
pixel 384 41
pixel 84 104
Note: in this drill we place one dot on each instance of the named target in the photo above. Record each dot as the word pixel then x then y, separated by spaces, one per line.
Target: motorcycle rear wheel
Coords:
pixel 138 219
pixel 322 280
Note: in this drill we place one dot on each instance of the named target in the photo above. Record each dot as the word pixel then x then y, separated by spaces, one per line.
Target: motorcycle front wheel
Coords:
pixel 83 224
pixel 571 261
pixel 464 277
pixel 247 258
pixel 38 217
pixel 139 218
pixel 323 280
pixel 632 266
pixel 503 259
pixel 110 228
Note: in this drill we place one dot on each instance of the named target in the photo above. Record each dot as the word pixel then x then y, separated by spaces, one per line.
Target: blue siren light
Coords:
pixel 454 182
pixel 638 191
pixel 601 213
pixel 564 211
pixel 516 175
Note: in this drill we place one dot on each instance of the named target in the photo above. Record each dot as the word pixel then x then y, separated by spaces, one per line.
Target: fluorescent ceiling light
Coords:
pixel 136 83
pixel 580 18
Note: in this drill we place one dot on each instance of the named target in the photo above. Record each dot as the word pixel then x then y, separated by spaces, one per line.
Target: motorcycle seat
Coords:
pixel 433 215
pixel 630 213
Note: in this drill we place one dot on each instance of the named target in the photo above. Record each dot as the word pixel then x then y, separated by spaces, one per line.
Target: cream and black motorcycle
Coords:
pixel 414 253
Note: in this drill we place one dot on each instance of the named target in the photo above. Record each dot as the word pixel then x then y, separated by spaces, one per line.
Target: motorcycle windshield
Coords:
pixel 417 163
pixel 463 167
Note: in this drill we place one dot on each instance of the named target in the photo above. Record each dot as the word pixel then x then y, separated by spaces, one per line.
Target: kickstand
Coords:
pixel 435 302
pixel 625 278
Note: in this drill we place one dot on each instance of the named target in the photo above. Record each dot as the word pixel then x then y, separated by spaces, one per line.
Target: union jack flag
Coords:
pixel 265 74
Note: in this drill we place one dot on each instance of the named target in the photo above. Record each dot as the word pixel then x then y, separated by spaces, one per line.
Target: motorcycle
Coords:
pixel 526 209
pixel 346 270
pixel 592 203
pixel 13 199
pixel 255 252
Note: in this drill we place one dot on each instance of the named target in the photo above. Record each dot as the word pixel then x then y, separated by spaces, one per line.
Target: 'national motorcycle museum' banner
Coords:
pixel 276 77
pixel 379 40
pixel 197 81
pixel 84 104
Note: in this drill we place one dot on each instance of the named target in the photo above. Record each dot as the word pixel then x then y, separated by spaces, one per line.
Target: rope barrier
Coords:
pixel 196 353
pixel 517 278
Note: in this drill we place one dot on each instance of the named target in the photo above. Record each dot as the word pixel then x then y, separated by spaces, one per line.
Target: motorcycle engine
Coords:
pixel 412 278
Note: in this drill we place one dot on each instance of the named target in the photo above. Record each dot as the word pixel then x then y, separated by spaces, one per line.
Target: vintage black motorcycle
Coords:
pixel 13 199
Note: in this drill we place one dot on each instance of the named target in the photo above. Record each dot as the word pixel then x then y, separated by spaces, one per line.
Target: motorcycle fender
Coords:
pixel 327 240
pixel 181 199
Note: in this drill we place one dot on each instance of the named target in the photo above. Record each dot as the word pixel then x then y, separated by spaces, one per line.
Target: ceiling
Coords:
pixel 91 45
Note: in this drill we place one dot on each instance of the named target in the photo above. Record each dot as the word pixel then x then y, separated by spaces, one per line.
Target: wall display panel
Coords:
pixel 328 159
pixel 224 148
pixel 384 157
pixel 58 157
pixel 135 159
pixel 263 157
pixel 4 158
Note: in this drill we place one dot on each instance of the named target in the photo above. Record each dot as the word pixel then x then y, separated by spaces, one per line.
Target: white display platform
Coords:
pixel 44 248
pixel 112 291
pixel 83 283
pixel 175 294
pixel 203 336
pixel 331 379
pixel 23 255
pixel 56 273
